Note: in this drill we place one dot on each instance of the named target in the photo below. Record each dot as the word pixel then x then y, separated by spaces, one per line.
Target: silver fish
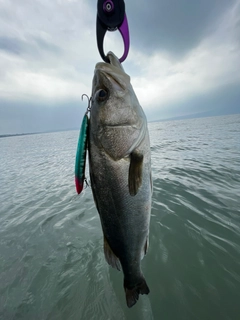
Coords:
pixel 120 172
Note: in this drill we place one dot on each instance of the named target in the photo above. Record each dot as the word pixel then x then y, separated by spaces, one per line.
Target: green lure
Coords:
pixel 81 155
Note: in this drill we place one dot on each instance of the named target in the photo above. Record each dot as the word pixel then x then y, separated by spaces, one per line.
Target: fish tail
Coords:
pixel 132 293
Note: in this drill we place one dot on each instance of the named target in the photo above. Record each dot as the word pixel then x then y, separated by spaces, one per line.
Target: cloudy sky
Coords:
pixel 184 59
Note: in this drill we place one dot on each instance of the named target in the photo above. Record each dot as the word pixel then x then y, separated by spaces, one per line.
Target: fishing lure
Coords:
pixel 80 162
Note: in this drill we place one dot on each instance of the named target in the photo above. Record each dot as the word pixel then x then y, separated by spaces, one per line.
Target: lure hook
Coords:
pixel 89 102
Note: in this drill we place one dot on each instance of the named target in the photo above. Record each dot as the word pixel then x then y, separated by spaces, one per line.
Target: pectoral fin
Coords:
pixel 135 172
pixel 111 258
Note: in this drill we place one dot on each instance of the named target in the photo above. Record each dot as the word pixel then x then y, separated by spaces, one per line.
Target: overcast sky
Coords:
pixel 184 59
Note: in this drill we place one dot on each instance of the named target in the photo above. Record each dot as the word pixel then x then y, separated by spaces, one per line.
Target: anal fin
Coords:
pixel 135 172
pixel 110 257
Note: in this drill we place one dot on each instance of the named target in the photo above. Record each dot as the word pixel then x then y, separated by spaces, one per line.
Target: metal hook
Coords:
pixel 89 102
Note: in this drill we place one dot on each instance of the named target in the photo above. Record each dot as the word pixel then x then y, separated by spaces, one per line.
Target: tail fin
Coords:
pixel 132 294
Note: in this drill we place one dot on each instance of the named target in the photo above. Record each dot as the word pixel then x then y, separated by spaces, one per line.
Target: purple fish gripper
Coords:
pixel 108 6
pixel 110 17
pixel 125 35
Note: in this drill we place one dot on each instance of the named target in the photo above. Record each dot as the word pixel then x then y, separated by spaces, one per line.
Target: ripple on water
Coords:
pixel 52 263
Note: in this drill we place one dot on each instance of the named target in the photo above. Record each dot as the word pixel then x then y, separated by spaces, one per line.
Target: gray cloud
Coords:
pixel 32 46
pixel 224 100
pixel 182 49
pixel 46 45
pixel 172 25
pixel 11 45
pixel 26 118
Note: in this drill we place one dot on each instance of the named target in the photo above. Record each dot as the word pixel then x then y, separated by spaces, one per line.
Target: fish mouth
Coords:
pixel 115 75
pixel 112 77
pixel 113 72
pixel 116 82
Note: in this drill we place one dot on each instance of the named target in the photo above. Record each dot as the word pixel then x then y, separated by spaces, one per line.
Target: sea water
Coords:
pixel 52 263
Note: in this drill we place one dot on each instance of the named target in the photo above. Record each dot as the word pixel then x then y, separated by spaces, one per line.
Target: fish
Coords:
pixel 120 172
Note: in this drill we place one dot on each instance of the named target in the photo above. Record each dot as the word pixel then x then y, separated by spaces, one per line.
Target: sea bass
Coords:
pixel 120 172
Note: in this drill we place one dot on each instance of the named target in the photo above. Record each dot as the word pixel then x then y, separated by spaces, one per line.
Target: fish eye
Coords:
pixel 101 95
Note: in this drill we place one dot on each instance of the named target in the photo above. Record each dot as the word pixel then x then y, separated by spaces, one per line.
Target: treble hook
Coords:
pixel 89 102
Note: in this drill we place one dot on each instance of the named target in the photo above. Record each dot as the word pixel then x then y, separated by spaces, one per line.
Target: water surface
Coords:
pixel 52 264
